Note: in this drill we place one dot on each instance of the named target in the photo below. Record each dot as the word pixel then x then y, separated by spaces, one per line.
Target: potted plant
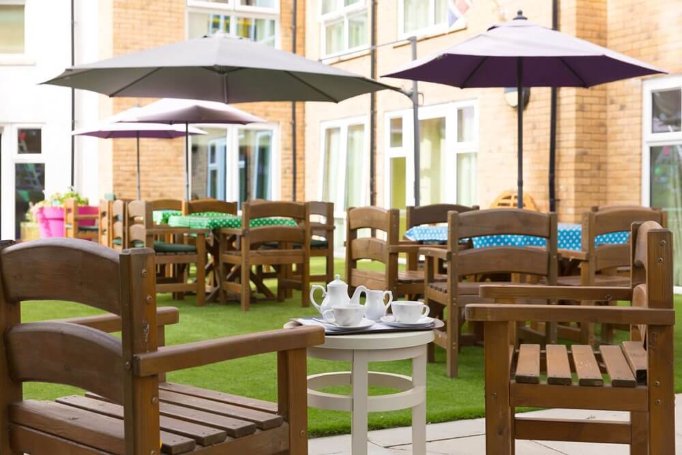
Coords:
pixel 49 213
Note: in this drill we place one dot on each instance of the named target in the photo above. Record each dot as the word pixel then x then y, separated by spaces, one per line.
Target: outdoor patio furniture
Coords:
pixel 447 299
pixel 119 215
pixel 372 235
pixel 272 242
pixel 603 263
pixel 322 243
pixel 104 222
pixel 172 248
pixel 511 199
pixel 209 205
pixel 79 225
pixel 635 376
pixel 128 408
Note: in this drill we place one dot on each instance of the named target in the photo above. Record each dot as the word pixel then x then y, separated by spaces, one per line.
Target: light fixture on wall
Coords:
pixel 511 97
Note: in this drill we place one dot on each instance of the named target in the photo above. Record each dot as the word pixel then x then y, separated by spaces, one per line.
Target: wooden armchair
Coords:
pixel 322 243
pixel 128 409
pixel 447 299
pixel 605 264
pixel 277 245
pixel 79 226
pixel 172 248
pixel 119 228
pixel 372 234
pixel 636 376
pixel 104 223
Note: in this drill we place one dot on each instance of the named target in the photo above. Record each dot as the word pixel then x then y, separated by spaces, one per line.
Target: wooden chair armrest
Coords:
pixel 572 254
pixel 199 353
pixel 112 323
pixel 86 217
pixel 232 231
pixel 436 252
pixel 168 230
pixel 511 291
pixel 405 246
pixel 500 312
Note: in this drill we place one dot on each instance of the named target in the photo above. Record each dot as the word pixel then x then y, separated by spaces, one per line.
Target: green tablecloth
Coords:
pixel 161 216
pixel 216 220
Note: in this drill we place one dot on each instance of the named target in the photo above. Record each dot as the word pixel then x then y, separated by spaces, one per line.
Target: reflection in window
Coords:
pixel 424 16
pixel 666 111
pixel 29 140
pixel 240 18
pixel 432 138
pixel 29 186
pixel 397 132
pixel 345 25
pixel 12 39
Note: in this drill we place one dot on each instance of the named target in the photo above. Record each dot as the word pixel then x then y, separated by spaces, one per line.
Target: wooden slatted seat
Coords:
pixel 635 376
pixel 129 408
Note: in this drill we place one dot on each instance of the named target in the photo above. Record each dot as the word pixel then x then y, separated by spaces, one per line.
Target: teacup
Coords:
pixel 408 311
pixel 345 315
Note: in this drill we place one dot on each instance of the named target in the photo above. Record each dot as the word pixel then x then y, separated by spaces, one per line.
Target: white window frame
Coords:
pixel 451 150
pixel 432 28
pixel 342 14
pixel 235 9
pixel 22 58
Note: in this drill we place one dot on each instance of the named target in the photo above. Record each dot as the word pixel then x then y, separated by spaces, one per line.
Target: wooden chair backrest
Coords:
pixel 104 222
pixel 167 204
pixel 119 214
pixel 209 205
pixel 503 259
pixel 610 220
pixel 433 213
pixel 139 220
pixel 510 199
pixel 322 219
pixel 298 211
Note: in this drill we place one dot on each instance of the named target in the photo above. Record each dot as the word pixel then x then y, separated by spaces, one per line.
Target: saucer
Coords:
pixel 390 321
pixel 363 324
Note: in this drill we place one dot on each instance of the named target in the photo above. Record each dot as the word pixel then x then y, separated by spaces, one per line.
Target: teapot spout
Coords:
pixel 355 299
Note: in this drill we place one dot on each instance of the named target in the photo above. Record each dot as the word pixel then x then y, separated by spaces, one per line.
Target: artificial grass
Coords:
pixel 447 399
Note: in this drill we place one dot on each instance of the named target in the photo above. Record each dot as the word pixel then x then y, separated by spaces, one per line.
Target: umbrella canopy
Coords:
pixel 520 53
pixel 170 110
pixel 112 130
pixel 217 68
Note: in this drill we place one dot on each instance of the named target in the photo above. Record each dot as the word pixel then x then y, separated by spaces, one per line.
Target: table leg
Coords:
pixel 360 384
pixel 419 411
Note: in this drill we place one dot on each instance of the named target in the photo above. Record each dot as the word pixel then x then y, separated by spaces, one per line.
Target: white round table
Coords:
pixel 360 350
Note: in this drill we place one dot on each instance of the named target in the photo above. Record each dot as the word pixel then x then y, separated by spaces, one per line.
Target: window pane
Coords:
pixel 440 11
pixel 432 134
pixel 208 163
pixel 465 124
pixel 666 111
pixel 398 180
pixel 29 140
pixel 332 150
pixel 202 24
pixel 354 166
pixel 357 30
pixel 415 15
pixel 11 29
pixel 29 186
pixel 261 30
pixel 466 179
pixel 666 193
pixel 397 132
pixel 329 6
pixel 259 3
pixel 334 37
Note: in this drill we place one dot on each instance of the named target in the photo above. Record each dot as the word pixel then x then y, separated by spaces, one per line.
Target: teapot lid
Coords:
pixel 337 282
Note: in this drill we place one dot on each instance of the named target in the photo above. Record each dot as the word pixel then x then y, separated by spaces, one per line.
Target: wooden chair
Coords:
pixel 447 299
pixel 172 248
pixel 604 264
pixel 119 218
pixel 209 205
pixel 635 376
pixel 104 223
pixel 511 199
pixel 274 245
pixel 129 409
pixel 372 234
pixel 322 244
pixel 79 226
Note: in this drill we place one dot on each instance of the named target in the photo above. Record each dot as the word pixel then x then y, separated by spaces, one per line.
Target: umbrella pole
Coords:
pixel 138 166
pixel 186 161
pixel 519 132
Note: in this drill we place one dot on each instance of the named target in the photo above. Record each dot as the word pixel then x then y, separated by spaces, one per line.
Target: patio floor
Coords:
pixel 466 437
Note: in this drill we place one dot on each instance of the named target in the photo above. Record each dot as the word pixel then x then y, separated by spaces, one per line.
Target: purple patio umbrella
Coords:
pixel 111 130
pixel 520 53
pixel 173 110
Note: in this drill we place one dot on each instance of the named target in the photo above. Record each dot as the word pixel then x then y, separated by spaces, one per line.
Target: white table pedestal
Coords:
pixel 360 350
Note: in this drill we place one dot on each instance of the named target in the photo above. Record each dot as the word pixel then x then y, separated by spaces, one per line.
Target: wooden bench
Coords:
pixel 128 408
pixel 635 376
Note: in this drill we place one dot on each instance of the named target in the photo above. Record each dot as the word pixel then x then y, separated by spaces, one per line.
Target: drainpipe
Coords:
pixel 373 109
pixel 415 126
pixel 294 141
pixel 553 123
pixel 73 96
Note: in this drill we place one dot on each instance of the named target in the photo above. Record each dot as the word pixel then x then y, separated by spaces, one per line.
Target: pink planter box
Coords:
pixel 51 220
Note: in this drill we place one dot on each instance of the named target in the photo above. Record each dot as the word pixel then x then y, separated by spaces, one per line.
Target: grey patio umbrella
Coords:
pixel 520 53
pixel 171 111
pixel 110 130
pixel 217 68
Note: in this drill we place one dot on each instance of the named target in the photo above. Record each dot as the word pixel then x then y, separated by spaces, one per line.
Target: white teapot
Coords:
pixel 335 294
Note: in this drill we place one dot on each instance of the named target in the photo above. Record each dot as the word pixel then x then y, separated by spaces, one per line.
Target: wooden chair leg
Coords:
pixel 639 427
pixel 453 336
pixel 499 436
pixel 245 297
pixel 291 395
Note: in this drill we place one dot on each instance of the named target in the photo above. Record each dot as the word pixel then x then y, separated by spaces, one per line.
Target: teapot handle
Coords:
pixel 359 290
pixel 312 296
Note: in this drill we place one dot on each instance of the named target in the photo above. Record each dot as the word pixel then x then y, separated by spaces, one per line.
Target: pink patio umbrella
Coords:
pixel 112 130
pixel 174 110
pixel 520 53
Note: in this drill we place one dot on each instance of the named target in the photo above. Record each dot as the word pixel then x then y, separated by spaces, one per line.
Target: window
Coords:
pixel 662 155
pixel 257 20
pixel 420 17
pixel 12 28
pixel 448 143
pixel 345 26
